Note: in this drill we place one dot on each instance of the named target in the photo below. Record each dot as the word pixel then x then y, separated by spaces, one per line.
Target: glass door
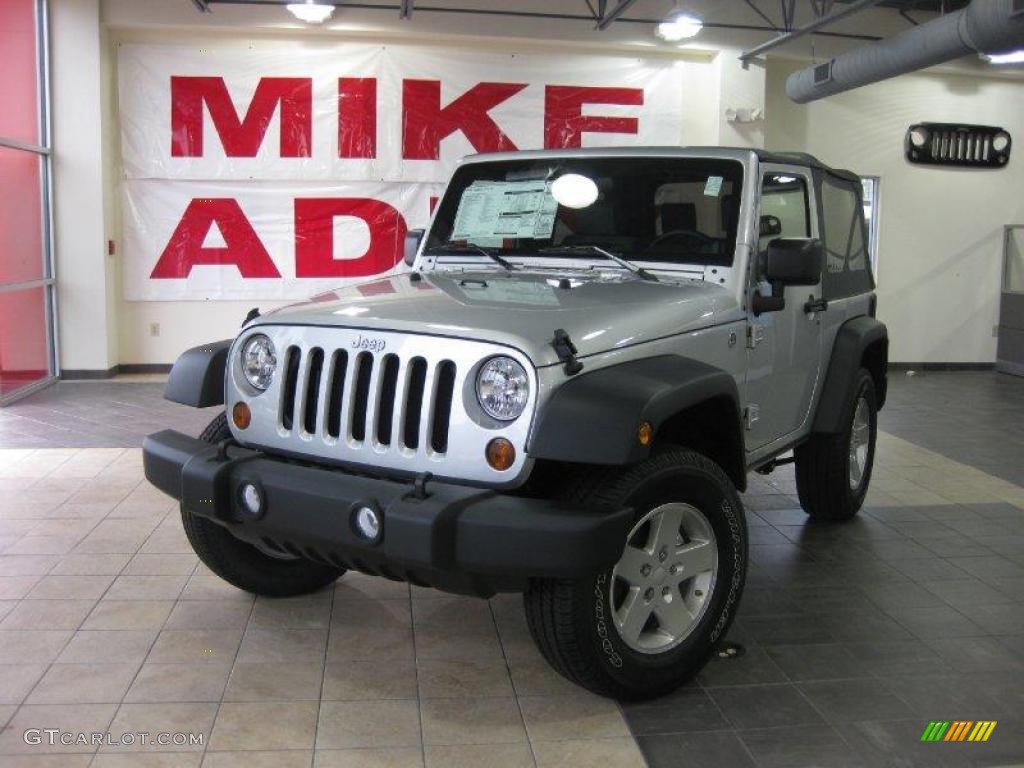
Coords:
pixel 27 344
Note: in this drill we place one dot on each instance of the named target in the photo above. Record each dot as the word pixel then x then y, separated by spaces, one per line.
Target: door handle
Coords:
pixel 814 305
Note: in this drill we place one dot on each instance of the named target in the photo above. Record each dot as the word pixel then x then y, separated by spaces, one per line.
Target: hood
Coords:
pixel 599 310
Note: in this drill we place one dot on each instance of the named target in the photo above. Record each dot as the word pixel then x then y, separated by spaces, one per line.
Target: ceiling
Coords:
pixel 933 6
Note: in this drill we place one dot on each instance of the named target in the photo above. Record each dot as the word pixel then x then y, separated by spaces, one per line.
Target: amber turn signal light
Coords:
pixel 241 415
pixel 501 454
pixel 644 433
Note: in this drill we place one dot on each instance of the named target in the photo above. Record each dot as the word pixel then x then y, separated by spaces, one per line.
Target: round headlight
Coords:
pixel 259 361
pixel 502 387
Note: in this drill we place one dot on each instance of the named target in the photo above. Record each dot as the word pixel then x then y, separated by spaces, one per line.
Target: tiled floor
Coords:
pixel 96 414
pixel 855 636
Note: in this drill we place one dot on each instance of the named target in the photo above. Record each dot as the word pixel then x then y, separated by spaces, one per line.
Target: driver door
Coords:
pixel 784 347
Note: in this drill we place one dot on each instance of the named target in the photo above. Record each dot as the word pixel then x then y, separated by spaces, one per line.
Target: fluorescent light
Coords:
pixel 311 12
pixel 1011 57
pixel 679 26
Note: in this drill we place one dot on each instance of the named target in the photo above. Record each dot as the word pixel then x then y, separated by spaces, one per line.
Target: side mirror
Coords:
pixel 793 261
pixel 412 245
pixel 788 261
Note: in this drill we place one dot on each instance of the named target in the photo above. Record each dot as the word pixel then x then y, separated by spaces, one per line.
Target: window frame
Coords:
pixel 807 183
pixel 44 151
pixel 809 178
pixel 874 222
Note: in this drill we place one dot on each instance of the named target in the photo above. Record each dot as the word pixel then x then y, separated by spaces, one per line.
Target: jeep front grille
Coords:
pixel 357 398
pixel 383 400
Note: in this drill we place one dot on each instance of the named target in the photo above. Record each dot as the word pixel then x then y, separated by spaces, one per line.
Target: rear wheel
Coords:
pixel 261 572
pixel 645 626
pixel 833 471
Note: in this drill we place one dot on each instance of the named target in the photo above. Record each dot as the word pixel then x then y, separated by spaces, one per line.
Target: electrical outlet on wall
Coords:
pixel 154 329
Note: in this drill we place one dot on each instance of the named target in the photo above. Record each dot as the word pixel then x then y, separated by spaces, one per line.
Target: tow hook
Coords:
pixel 419 487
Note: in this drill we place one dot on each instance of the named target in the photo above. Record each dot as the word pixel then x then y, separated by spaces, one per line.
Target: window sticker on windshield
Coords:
pixel 495 210
pixel 714 186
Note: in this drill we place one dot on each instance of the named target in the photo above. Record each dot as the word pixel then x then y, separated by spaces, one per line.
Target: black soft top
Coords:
pixel 806 160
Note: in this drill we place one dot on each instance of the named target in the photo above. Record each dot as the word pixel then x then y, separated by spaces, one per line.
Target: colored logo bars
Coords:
pixel 958 730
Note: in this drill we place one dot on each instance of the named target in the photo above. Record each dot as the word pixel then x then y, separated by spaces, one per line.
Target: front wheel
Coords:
pixel 262 572
pixel 647 625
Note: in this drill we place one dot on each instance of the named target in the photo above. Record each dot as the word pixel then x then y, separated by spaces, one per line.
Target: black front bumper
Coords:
pixel 452 537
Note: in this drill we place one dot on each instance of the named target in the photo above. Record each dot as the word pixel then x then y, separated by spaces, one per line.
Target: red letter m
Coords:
pixel 241 138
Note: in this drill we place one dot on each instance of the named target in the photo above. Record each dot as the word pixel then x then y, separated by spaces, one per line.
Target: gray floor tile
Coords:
pixel 696 750
pixel 850 700
pixel 830 661
pixel 689 710
pixel 805 747
pixel 765 706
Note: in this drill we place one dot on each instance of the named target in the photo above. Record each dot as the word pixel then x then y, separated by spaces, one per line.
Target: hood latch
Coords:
pixel 566 352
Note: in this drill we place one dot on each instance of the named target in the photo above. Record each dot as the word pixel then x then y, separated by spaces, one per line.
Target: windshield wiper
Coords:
pixel 627 265
pixel 454 248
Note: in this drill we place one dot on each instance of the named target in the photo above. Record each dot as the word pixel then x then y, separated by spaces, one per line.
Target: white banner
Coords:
pixel 232 156
pixel 263 240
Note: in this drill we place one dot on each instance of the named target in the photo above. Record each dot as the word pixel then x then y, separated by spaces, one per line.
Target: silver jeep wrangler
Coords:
pixel 562 397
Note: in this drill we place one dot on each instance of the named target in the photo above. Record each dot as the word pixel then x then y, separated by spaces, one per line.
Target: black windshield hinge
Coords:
pixel 566 352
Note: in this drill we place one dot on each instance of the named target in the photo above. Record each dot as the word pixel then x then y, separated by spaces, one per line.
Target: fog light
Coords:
pixel 252 500
pixel 366 521
pixel 501 454
pixel 241 415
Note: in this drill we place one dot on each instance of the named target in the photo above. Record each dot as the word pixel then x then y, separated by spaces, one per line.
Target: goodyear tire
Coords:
pixel 242 564
pixel 833 471
pixel 644 627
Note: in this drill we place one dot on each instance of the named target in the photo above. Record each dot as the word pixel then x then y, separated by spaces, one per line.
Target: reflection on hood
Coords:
pixel 600 310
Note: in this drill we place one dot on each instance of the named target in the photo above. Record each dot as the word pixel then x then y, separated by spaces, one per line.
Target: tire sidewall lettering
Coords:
pixel 601 624
pixel 736 583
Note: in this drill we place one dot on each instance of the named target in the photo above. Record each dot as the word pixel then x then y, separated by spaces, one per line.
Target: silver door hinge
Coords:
pixel 755 335
pixel 751 414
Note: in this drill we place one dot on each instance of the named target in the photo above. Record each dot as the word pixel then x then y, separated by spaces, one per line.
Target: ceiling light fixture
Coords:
pixel 679 26
pixel 1010 57
pixel 311 11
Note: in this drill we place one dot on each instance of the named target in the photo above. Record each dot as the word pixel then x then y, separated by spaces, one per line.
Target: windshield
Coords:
pixel 669 210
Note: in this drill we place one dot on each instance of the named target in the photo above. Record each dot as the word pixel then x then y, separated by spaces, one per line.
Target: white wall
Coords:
pixel 87 299
pixel 941 229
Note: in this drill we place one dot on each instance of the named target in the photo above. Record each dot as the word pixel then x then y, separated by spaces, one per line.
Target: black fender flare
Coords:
pixel 593 418
pixel 852 339
pixel 197 377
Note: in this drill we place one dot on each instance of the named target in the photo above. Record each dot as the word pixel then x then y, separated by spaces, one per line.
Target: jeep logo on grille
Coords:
pixel 369 343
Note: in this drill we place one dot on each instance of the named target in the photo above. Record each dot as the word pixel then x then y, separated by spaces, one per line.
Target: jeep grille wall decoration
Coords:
pixel 972 146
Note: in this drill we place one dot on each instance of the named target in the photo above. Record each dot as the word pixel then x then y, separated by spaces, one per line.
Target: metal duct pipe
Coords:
pixel 984 26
